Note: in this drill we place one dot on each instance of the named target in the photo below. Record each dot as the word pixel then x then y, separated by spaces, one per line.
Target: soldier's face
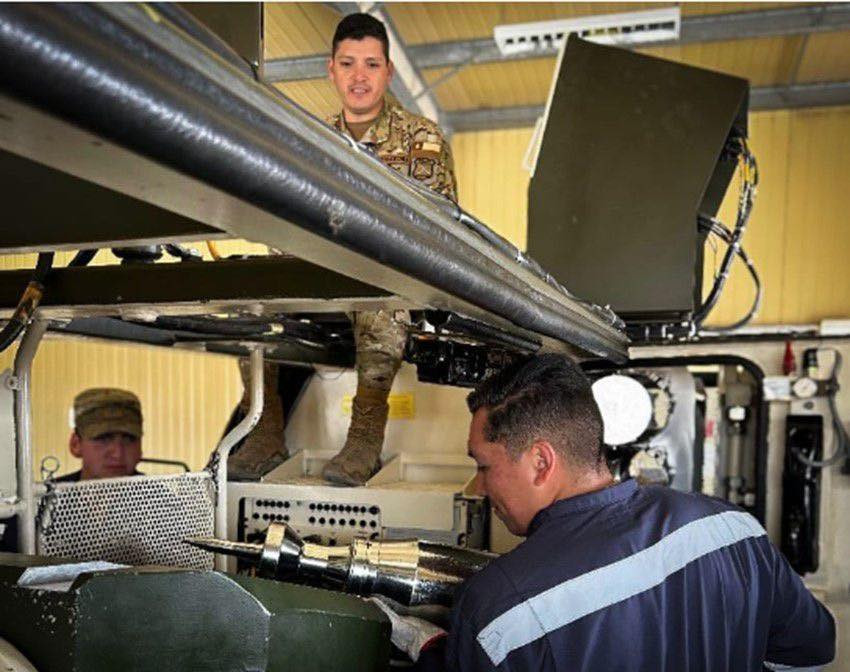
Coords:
pixel 361 75
pixel 108 455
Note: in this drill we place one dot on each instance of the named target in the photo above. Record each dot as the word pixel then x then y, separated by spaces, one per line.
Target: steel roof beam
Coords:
pixel 695 29
pixel 820 94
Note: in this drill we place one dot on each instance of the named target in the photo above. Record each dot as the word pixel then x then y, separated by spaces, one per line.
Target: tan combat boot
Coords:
pixel 265 447
pixel 380 341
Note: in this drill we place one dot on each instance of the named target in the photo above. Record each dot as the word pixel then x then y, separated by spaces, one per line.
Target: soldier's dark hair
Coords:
pixel 358 26
pixel 548 398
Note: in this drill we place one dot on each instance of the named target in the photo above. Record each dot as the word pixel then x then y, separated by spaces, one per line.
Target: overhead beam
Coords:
pixel 695 29
pixel 822 94
pixel 281 284
pixel 492 119
pixel 777 22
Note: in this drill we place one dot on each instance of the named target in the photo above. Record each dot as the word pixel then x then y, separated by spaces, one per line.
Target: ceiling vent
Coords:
pixel 652 26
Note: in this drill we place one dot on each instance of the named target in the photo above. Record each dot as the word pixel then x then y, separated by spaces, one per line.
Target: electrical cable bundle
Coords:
pixel 717 228
pixel 749 186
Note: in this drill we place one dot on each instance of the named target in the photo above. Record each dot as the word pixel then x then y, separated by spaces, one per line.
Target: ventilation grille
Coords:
pixel 137 520
pixel 656 25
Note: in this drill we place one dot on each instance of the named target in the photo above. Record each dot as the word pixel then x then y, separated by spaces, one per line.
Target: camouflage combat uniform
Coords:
pixel 412 145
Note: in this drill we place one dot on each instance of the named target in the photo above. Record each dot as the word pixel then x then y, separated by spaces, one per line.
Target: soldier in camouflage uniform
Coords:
pixel 412 145
pixel 361 70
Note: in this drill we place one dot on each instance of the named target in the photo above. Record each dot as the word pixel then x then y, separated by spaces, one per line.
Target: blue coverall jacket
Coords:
pixel 639 578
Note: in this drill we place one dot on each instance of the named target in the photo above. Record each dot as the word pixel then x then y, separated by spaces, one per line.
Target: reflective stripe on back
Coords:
pixel 573 599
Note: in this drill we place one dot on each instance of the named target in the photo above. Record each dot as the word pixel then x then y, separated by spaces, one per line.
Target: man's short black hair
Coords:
pixel 358 26
pixel 547 397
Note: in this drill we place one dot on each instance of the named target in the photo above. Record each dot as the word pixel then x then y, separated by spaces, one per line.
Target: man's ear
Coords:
pixel 74 445
pixel 544 458
pixel 390 71
pixel 331 67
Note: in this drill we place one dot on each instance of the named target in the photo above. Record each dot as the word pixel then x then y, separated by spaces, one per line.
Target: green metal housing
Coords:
pixel 162 619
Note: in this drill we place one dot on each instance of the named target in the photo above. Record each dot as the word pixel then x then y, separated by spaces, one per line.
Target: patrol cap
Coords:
pixel 103 410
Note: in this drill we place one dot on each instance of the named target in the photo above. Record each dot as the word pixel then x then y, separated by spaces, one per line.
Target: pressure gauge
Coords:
pixel 804 388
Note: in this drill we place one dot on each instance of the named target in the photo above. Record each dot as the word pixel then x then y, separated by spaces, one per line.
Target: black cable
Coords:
pixel 182 253
pixel 82 258
pixel 745 206
pixel 28 303
pixel 716 228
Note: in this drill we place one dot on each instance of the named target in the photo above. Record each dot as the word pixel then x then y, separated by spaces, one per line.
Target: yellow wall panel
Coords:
pixel 495 84
pixel 817 237
pixel 492 184
pixel 187 397
pixel 298 28
pixel 764 61
pixel 826 58
pixel 317 96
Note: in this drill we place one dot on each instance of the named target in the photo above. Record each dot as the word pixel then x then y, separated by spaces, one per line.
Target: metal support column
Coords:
pixel 23 433
pixel 233 437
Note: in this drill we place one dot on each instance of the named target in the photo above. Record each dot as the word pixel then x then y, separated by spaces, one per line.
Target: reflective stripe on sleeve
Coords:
pixel 600 588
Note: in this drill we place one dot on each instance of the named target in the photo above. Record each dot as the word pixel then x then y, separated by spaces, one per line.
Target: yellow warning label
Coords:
pixel 401 406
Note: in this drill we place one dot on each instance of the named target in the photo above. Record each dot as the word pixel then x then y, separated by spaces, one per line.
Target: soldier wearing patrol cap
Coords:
pixel 361 70
pixel 107 434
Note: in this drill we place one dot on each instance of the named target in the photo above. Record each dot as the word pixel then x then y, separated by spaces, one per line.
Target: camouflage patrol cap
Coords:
pixel 103 410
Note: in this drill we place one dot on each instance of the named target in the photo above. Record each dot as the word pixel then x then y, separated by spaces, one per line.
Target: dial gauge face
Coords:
pixel 804 388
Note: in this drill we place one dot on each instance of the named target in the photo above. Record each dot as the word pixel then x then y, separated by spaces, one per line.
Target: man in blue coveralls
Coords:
pixel 611 576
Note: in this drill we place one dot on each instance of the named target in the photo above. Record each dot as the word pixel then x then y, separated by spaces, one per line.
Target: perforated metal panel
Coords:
pixel 137 520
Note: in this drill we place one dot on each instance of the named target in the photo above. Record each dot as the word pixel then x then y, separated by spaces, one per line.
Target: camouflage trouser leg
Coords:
pixel 264 448
pixel 380 341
